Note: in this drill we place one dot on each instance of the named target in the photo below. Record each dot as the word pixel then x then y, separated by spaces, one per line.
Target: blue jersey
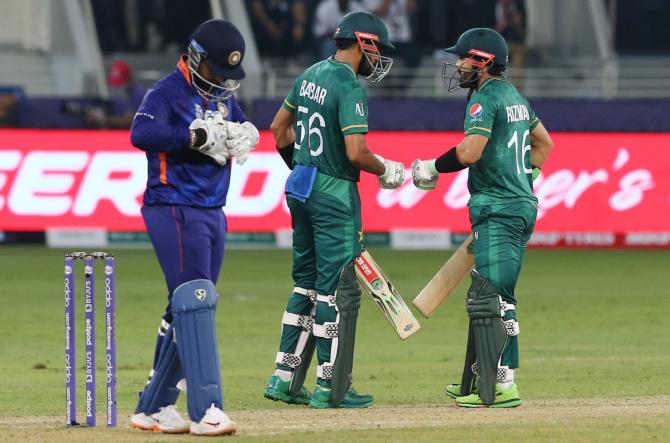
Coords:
pixel 177 174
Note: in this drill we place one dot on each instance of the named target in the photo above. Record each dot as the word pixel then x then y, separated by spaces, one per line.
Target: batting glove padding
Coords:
pixel 242 139
pixel 393 176
pixel 215 144
pixel 424 174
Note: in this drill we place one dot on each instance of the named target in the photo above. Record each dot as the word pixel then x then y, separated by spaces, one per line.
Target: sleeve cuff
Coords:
pixel 288 106
pixel 486 132
pixel 355 129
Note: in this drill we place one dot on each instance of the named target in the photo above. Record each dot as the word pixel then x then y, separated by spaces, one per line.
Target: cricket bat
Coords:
pixel 385 295
pixel 445 281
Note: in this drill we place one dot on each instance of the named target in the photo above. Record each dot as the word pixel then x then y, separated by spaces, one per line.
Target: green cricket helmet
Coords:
pixel 372 36
pixel 484 49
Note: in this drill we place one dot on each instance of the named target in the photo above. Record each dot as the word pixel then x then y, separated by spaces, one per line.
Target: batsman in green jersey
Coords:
pixel 505 146
pixel 320 133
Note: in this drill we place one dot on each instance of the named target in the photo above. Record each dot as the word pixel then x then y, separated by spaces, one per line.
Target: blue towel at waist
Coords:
pixel 301 181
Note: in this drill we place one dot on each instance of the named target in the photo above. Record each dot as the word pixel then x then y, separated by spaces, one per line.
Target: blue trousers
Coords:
pixel 189 243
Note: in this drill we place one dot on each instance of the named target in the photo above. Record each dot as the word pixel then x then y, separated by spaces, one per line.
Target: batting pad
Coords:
pixel 485 312
pixel 193 307
pixel 348 300
pixel 162 389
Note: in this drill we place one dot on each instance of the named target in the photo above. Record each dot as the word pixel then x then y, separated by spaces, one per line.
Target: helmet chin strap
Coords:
pixel 470 92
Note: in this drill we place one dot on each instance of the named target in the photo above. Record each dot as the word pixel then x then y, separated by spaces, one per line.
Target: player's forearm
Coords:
pixel 470 150
pixel 366 161
pixel 360 155
pixel 539 153
pixel 150 136
pixel 284 136
pixel 282 128
pixel 540 145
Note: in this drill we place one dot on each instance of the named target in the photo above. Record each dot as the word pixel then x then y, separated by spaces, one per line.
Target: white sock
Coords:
pixel 505 384
pixel 284 375
pixel 509 380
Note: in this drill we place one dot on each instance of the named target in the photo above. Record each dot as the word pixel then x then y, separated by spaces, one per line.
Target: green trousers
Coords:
pixel 500 235
pixel 327 235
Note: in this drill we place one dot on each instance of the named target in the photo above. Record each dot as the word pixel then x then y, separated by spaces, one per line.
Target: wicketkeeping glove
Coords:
pixel 424 174
pixel 393 176
pixel 242 139
pixel 216 132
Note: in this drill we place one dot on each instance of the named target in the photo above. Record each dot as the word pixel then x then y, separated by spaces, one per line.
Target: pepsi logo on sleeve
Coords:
pixel 476 110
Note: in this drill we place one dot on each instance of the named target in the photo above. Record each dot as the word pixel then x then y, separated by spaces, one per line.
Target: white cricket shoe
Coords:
pixel 215 422
pixel 166 420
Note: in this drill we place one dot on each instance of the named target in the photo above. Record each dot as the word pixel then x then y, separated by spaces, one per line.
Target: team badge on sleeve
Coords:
pixel 360 109
pixel 476 110
pixel 223 109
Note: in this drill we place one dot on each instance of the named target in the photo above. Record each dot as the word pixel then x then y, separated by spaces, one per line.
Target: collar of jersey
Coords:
pixel 489 81
pixel 346 65
pixel 182 65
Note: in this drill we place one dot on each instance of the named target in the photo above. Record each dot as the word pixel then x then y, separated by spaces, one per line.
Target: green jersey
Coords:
pixel 328 103
pixel 498 112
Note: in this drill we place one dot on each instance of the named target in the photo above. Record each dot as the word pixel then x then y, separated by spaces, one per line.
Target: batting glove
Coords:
pixel 215 134
pixel 393 176
pixel 536 172
pixel 242 139
pixel 424 174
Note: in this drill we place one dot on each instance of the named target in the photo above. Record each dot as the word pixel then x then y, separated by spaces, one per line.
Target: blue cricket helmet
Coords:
pixel 220 44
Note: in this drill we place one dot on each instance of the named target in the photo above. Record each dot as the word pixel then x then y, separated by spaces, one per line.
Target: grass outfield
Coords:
pixel 594 350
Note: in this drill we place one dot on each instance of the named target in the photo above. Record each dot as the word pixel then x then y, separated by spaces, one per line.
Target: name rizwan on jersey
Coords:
pixel 517 113
pixel 313 92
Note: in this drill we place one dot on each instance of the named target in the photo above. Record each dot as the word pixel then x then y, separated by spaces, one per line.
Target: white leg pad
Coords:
pixel 330 299
pixel 325 371
pixel 309 293
pixel 326 330
pixel 286 359
pixel 301 321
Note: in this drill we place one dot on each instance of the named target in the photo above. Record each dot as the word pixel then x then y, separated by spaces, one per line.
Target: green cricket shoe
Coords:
pixel 505 398
pixel 321 399
pixel 278 390
pixel 454 391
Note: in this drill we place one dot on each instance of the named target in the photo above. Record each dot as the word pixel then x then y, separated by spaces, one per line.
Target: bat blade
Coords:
pixel 445 281
pixel 386 297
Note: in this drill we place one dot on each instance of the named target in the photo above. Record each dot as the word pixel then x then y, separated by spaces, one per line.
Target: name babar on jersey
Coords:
pixel 313 91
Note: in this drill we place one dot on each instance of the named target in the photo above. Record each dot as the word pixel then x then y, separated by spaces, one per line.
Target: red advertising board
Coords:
pixel 593 182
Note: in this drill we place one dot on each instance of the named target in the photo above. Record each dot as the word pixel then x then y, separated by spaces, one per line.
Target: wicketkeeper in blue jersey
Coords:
pixel 191 127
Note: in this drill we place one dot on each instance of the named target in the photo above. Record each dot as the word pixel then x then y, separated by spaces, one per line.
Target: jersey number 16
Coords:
pixel 520 151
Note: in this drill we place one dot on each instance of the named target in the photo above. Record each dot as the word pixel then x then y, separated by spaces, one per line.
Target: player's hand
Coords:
pixel 424 174
pixel 216 132
pixel 393 176
pixel 242 139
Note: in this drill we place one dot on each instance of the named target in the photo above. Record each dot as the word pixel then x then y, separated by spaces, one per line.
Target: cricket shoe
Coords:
pixel 278 390
pixel 215 422
pixel 352 399
pixel 166 420
pixel 454 391
pixel 505 398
